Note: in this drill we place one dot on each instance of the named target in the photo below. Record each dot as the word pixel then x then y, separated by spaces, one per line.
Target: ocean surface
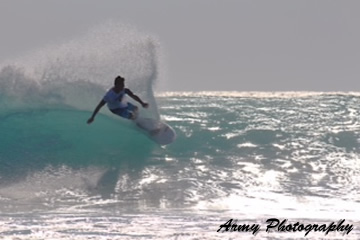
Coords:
pixel 246 156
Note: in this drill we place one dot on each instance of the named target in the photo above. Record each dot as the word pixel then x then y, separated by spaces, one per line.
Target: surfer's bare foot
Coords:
pixel 135 114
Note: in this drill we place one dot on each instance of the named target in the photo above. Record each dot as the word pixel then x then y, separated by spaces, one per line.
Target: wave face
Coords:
pixel 47 96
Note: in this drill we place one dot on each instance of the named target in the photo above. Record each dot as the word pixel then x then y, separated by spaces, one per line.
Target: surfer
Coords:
pixel 114 98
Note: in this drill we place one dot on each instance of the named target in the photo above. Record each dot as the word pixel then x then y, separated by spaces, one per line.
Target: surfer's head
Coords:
pixel 119 80
pixel 119 84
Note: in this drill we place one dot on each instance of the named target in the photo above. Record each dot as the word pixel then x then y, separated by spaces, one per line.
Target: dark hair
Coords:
pixel 118 80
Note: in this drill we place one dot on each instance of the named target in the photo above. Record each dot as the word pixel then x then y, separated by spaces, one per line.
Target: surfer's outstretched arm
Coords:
pixel 97 109
pixel 136 98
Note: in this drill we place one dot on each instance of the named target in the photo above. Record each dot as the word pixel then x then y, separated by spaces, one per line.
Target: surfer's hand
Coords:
pixel 90 120
pixel 145 105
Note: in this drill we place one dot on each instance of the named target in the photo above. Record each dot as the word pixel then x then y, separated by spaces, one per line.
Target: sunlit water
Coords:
pixel 248 157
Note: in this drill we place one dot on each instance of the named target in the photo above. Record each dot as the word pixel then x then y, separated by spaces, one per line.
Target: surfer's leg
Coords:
pixel 133 110
pixel 129 112
pixel 122 112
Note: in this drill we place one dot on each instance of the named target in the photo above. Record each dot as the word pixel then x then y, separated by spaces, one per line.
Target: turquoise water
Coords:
pixel 248 156
pixel 237 155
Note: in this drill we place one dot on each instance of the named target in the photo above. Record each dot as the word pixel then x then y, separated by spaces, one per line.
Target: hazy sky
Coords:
pixel 267 45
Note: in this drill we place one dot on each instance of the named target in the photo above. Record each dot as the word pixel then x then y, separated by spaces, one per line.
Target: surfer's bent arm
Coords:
pixel 97 109
pixel 136 98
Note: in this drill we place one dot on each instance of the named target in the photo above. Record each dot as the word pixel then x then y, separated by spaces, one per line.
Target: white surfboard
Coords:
pixel 158 131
